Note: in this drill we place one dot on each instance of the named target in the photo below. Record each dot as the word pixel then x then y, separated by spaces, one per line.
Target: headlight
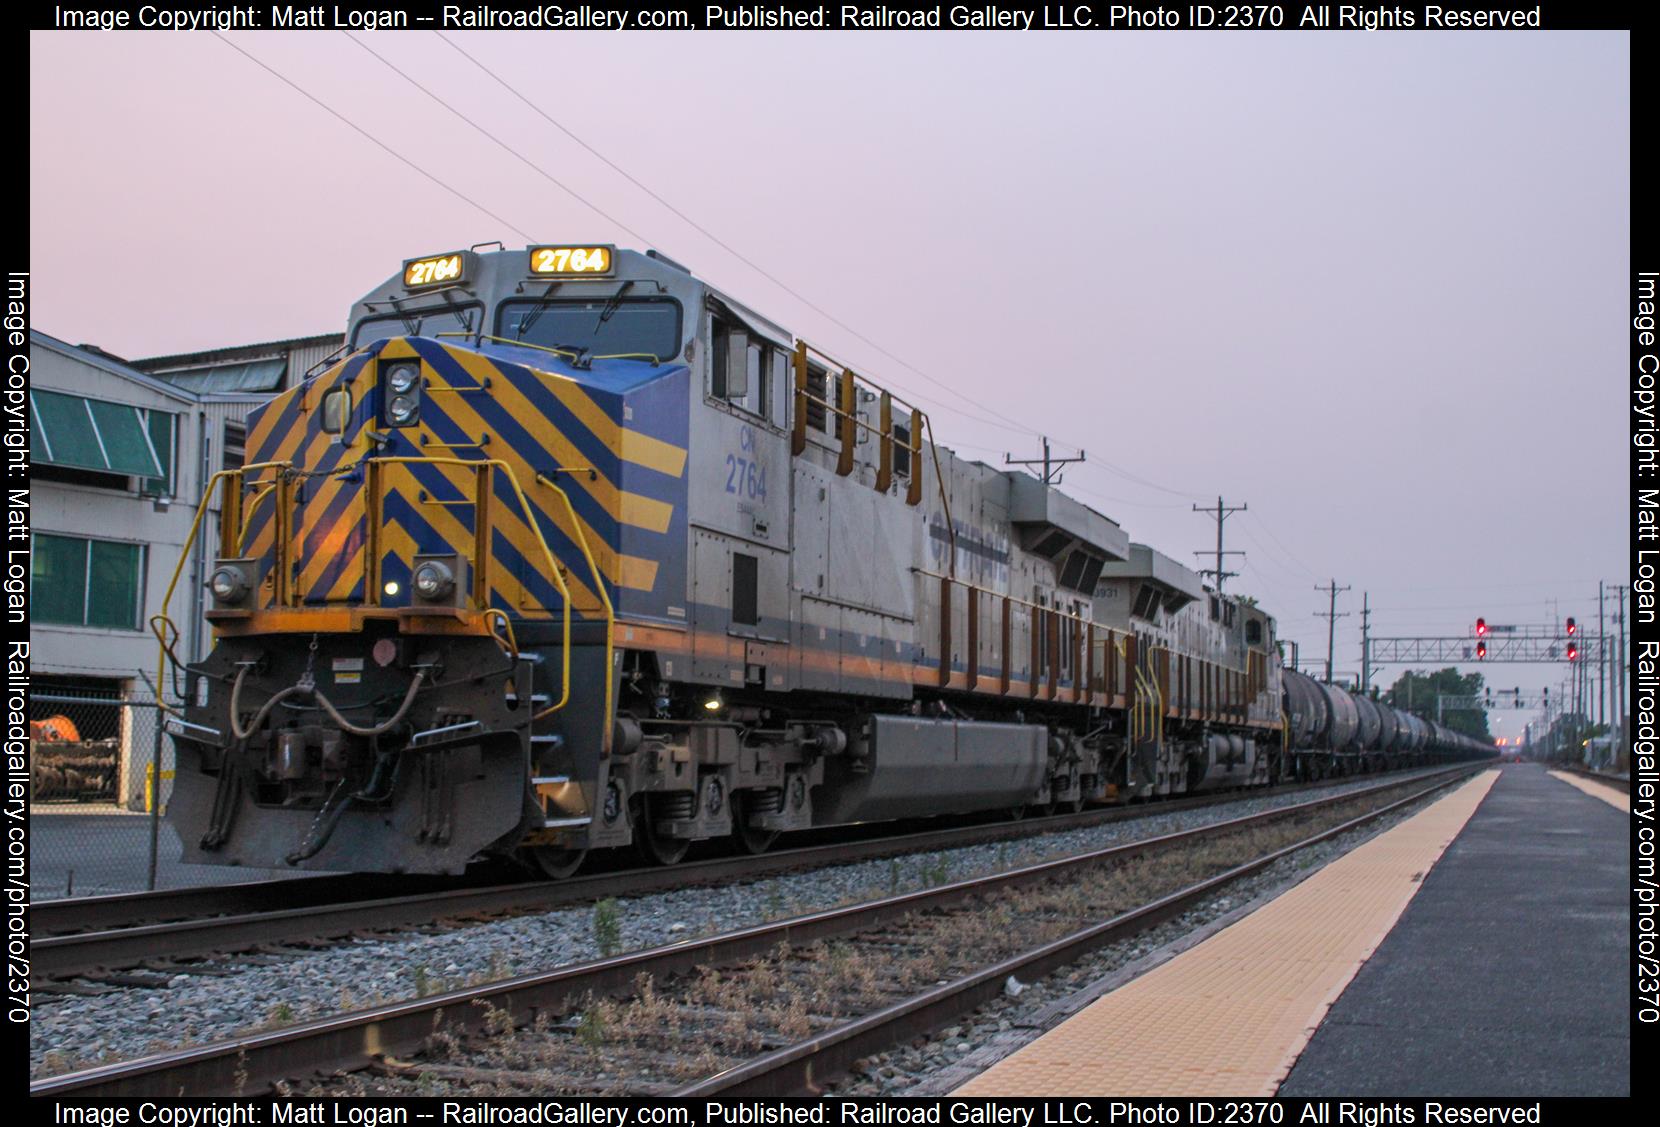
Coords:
pixel 433 581
pixel 401 410
pixel 402 377
pixel 228 584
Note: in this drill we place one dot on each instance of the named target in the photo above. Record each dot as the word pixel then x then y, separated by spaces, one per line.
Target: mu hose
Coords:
pixel 328 706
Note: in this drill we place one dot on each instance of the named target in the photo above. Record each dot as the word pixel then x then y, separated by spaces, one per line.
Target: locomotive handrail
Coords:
pixel 1082 683
pixel 556 571
pixel 605 599
pixel 161 618
pixel 565 352
pixel 847 409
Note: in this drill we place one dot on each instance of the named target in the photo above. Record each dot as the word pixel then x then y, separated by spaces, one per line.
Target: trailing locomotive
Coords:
pixel 573 551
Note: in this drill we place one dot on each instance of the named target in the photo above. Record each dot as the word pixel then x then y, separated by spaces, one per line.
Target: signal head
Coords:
pixel 1571 628
pixel 1481 650
pixel 1481 627
pixel 1573 651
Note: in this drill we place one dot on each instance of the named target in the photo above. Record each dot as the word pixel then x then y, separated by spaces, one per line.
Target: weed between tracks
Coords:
pixel 665 1034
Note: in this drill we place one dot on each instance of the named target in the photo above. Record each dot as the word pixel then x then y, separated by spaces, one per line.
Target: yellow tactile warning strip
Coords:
pixel 1230 1016
pixel 1595 789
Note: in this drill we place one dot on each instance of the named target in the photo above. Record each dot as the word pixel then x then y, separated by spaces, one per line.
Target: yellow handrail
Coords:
pixel 547 553
pixel 160 622
pixel 511 645
pixel 162 617
pixel 605 598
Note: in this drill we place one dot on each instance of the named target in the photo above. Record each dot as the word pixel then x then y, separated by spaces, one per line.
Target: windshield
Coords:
pixel 640 325
pixel 417 323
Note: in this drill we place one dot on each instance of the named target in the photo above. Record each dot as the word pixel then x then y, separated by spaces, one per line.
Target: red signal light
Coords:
pixel 1481 650
pixel 1481 627
pixel 1571 628
pixel 1573 651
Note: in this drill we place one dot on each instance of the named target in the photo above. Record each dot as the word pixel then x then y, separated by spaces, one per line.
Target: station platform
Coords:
pixel 1480 947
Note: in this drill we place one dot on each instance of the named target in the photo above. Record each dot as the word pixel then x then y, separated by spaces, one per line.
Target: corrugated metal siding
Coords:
pixel 301 360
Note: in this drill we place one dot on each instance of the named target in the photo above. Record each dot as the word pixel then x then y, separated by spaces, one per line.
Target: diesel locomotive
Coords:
pixel 569 550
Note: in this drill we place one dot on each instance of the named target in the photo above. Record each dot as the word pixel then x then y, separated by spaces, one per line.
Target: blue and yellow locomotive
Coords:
pixel 573 551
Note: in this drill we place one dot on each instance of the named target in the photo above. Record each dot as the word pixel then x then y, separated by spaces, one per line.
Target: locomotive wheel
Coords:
pixel 555 863
pixel 750 839
pixel 654 849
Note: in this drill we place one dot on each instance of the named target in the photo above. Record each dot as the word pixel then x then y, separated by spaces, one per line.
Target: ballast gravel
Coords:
pixel 934 1066
pixel 74 1031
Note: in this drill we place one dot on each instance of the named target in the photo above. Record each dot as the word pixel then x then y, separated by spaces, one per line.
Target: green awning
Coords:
pixel 248 375
pixel 89 434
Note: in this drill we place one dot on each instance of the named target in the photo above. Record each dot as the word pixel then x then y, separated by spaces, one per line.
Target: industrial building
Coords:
pixel 119 455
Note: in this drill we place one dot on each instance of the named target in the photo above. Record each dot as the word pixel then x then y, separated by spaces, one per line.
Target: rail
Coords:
pixel 249 1063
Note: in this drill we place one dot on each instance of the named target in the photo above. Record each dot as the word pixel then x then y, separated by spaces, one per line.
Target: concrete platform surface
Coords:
pixel 1230 1016
pixel 1507 975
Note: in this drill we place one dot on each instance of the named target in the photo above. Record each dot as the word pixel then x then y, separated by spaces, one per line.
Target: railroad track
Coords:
pixel 1618 782
pixel 100 936
pixel 383 1036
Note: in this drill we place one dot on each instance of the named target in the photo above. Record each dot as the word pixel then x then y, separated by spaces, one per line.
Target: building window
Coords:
pixel 91 441
pixel 78 582
pixel 159 426
pixel 235 445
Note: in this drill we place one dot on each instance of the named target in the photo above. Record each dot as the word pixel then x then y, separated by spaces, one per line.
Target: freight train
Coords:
pixel 570 550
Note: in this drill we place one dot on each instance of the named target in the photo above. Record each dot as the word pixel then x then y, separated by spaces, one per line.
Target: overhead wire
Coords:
pixel 370 137
pixel 1005 422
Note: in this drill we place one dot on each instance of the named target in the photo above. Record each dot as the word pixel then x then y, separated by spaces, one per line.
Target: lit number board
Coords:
pixel 570 260
pixel 432 270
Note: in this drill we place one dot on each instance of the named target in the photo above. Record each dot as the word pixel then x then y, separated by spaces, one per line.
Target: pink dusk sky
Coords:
pixel 1375 285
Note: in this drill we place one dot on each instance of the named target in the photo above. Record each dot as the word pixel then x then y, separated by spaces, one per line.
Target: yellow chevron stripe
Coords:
pixel 510 524
pixel 641 449
pixel 646 513
pixel 311 569
pixel 626 570
pixel 638 574
pixel 631 445
pixel 348 578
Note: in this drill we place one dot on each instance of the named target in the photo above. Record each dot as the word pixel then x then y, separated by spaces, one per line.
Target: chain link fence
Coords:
pixel 101 775
pixel 101 771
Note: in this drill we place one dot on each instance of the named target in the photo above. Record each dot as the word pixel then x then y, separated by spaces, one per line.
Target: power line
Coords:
pixel 714 238
pixel 370 137
pixel 1004 422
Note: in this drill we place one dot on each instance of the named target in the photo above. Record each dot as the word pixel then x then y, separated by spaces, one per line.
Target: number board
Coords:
pixel 570 260
pixel 435 269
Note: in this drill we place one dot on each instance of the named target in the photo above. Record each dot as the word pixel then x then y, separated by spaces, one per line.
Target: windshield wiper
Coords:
pixel 541 305
pixel 613 305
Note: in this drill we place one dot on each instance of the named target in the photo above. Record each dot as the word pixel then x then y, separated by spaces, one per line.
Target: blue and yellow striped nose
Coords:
pixel 555 431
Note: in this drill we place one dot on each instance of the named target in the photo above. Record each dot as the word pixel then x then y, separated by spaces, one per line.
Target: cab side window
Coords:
pixel 742 368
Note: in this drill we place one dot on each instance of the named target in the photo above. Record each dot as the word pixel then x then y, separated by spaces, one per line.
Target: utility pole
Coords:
pixel 1602 665
pixel 1222 512
pixel 1365 641
pixel 1619 682
pixel 1052 467
pixel 1333 590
